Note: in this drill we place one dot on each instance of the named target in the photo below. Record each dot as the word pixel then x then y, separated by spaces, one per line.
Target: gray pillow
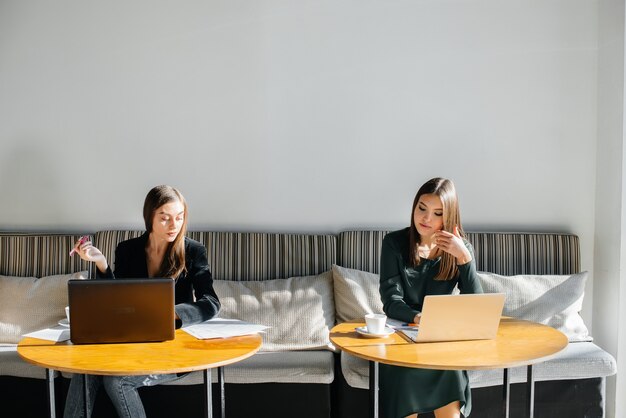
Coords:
pixel 356 293
pixel 553 300
pixel 29 304
pixel 299 311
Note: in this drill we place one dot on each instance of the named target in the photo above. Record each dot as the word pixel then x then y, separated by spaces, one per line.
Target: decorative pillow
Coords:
pixel 356 293
pixel 28 304
pixel 549 299
pixel 299 311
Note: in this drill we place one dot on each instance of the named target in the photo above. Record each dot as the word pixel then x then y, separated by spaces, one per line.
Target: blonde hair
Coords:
pixel 445 190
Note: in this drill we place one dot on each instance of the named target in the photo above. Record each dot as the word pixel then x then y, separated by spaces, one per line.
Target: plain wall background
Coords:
pixel 609 298
pixel 298 116
pixel 308 116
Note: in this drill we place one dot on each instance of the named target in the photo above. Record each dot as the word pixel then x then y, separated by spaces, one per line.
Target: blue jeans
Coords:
pixel 121 389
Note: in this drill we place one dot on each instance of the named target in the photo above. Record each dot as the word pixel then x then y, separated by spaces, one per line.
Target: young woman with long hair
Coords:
pixel 431 257
pixel 162 251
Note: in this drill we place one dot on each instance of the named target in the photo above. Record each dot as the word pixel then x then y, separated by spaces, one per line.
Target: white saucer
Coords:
pixel 64 323
pixel 363 331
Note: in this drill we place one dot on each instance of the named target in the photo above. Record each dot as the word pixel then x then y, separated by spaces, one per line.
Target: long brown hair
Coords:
pixel 445 190
pixel 173 263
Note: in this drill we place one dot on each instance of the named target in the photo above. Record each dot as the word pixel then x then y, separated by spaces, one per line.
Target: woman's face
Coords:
pixel 168 220
pixel 428 215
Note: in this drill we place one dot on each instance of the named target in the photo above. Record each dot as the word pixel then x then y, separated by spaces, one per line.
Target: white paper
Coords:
pixel 58 333
pixel 223 328
pixel 394 323
pixel 409 330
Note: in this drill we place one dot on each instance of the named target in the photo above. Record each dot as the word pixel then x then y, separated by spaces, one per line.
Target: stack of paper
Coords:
pixel 408 330
pixel 223 328
pixel 58 333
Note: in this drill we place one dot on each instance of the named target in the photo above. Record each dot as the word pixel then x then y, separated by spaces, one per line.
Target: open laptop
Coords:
pixel 121 310
pixel 459 317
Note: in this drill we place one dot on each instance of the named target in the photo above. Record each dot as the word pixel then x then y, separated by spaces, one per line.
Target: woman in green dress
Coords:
pixel 431 257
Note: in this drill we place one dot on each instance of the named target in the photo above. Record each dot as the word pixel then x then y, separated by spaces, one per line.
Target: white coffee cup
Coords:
pixel 375 323
pixel 67 313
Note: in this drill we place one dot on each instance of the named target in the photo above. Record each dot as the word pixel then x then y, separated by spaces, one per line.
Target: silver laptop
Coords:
pixel 121 310
pixel 459 317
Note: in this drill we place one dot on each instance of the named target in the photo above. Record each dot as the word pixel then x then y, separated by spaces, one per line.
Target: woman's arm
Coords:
pixel 206 305
pixel 123 260
pixel 391 288
pixel 468 278
pixel 88 252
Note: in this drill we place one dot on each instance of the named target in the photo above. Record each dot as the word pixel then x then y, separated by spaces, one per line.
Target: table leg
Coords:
pixel 208 404
pixel 506 393
pixel 374 389
pixel 86 396
pixel 51 397
pixel 530 391
pixel 220 383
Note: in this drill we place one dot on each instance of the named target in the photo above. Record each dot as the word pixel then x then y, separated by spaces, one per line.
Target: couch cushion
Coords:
pixel 356 293
pixel 299 311
pixel 38 255
pixel 579 360
pixel 28 304
pixel 249 256
pixel 278 367
pixel 498 252
pixel 11 364
pixel 554 300
pixel 313 366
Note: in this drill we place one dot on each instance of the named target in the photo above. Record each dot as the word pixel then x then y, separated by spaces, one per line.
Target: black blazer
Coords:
pixel 130 263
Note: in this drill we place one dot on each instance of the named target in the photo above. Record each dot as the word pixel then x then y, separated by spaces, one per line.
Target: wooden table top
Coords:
pixel 184 353
pixel 518 343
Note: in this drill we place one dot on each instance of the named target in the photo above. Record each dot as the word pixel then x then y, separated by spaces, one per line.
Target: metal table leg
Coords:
pixel 51 397
pixel 530 391
pixel 208 408
pixel 506 393
pixel 220 383
pixel 374 389
pixel 86 396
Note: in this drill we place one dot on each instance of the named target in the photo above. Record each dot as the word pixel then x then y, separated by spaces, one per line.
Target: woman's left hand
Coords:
pixel 453 244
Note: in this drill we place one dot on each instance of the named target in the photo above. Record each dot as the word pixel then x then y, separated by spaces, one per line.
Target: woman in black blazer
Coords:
pixel 162 251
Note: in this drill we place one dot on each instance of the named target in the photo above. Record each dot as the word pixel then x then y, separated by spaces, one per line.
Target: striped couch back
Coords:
pixel 38 255
pixel 262 256
pixel 249 256
pixel 501 253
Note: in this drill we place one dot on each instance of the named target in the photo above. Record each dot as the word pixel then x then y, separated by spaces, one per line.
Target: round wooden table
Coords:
pixel 518 343
pixel 183 354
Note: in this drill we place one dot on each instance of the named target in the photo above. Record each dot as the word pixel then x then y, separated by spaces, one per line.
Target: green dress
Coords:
pixel 405 391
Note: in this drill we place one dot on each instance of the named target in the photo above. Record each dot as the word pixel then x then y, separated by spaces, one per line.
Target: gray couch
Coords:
pixel 297 373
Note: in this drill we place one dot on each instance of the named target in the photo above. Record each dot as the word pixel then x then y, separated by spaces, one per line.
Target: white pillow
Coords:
pixel 299 311
pixel 356 293
pixel 28 304
pixel 553 300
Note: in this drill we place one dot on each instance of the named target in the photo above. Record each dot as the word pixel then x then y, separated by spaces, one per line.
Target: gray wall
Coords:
pixel 609 298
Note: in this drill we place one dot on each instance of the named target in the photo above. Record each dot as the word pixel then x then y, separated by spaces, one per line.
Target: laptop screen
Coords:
pixel 460 317
pixel 121 310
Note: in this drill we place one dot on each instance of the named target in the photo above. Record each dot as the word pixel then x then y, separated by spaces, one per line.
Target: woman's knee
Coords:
pixel 115 384
pixel 451 410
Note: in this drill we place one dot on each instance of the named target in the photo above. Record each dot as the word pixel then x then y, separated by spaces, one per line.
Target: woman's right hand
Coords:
pixel 88 252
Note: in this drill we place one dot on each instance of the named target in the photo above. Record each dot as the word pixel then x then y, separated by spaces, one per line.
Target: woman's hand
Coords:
pixel 88 252
pixel 453 244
